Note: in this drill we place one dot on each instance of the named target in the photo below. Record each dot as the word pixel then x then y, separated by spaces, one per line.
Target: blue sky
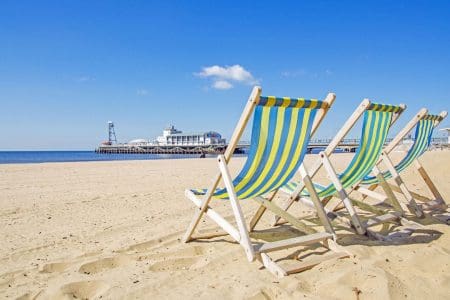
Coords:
pixel 67 67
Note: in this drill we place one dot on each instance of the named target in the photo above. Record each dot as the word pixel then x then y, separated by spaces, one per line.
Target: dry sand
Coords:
pixel 113 229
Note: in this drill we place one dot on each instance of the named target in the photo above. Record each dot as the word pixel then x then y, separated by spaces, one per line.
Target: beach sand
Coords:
pixel 113 230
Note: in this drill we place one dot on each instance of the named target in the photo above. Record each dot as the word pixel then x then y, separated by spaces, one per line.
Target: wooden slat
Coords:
pixel 272 266
pixel 415 195
pixel 259 213
pixel 428 180
pixel 215 216
pixel 381 219
pixel 293 242
pixel 371 188
pixel 368 207
pixel 285 215
pixel 370 193
pixel 310 263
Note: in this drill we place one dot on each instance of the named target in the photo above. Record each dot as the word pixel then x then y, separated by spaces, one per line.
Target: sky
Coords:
pixel 69 67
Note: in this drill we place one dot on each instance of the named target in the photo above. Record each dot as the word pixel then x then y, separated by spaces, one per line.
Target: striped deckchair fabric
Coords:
pixel 384 107
pixel 422 140
pixel 438 118
pixel 291 102
pixel 280 135
pixel 281 130
pixel 376 123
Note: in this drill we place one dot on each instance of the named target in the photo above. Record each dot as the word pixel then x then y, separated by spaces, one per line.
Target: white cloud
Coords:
pixel 142 92
pixel 223 76
pixel 222 85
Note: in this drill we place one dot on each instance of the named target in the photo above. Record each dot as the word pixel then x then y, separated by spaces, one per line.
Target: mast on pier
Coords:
pixel 112 139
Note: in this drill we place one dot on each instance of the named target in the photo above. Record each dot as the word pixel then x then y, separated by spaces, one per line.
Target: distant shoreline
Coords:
pixel 58 156
pixel 55 156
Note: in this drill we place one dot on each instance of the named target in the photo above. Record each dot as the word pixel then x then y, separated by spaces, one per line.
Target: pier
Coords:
pixel 169 149
pixel 347 145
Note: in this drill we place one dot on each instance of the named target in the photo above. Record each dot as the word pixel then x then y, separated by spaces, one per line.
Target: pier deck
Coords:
pixel 348 145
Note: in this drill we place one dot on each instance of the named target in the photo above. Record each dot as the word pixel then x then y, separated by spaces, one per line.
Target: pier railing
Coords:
pixel 347 145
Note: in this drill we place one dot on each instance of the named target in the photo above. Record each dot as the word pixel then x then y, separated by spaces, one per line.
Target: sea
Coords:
pixel 21 157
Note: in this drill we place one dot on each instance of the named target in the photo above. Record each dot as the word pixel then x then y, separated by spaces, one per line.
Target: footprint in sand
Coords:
pixel 170 239
pixel 89 254
pixel 186 252
pixel 104 264
pixel 179 264
pixel 82 290
pixel 56 267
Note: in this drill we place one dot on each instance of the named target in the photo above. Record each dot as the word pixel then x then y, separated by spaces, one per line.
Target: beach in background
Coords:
pixel 113 229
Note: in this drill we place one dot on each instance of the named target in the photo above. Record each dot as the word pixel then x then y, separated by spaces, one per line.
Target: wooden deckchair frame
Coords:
pixel 324 160
pixel 241 233
pixel 399 185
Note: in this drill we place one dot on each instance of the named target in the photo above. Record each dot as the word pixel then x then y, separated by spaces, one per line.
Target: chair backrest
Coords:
pixel 377 121
pixel 422 140
pixel 280 134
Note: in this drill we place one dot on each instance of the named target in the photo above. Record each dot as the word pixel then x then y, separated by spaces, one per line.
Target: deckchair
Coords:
pixel 280 134
pixel 424 124
pixel 377 120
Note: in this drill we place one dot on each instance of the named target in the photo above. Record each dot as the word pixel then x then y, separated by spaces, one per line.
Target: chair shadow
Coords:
pixel 348 236
pixel 345 236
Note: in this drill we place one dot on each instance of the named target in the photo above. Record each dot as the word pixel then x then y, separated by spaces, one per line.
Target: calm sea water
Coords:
pixel 14 157
pixel 19 157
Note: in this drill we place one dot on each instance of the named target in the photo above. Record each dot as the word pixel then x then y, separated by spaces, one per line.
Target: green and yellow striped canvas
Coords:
pixel 376 123
pixel 280 135
pixel 422 140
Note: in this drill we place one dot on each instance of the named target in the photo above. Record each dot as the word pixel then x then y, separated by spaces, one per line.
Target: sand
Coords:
pixel 113 229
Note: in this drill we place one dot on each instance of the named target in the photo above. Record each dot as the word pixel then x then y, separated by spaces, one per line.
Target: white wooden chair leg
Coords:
pixel 199 213
pixel 285 206
pixel 433 189
pixel 259 213
pixel 221 221
pixel 342 194
pixel 316 200
pixel 413 207
pixel 245 238
pixel 387 190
